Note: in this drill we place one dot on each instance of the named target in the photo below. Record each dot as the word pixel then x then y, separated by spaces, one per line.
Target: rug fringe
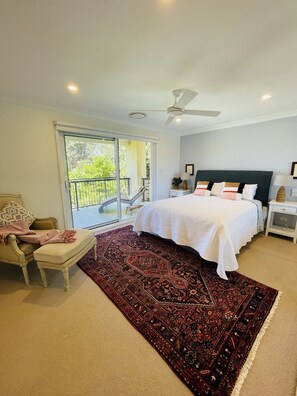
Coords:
pixel 251 357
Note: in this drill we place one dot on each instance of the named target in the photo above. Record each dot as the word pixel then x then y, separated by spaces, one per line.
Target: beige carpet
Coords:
pixel 78 343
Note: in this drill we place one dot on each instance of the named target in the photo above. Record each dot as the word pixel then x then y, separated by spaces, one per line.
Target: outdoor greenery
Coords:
pixel 97 160
pixel 94 159
pixel 99 167
pixel 78 151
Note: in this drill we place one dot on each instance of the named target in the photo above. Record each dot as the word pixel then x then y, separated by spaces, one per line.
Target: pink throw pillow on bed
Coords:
pixel 230 191
pixel 201 189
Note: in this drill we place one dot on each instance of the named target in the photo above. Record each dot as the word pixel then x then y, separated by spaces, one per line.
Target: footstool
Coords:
pixel 61 256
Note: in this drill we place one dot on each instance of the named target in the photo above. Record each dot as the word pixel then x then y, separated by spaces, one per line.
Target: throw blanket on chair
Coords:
pixel 22 231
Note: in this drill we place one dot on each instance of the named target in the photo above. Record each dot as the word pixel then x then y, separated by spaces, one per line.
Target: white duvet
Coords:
pixel 216 228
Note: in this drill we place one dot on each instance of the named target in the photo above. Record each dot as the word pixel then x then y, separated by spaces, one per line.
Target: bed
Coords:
pixel 216 228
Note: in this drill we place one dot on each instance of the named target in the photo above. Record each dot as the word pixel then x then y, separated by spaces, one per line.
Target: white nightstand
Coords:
pixel 287 207
pixel 178 193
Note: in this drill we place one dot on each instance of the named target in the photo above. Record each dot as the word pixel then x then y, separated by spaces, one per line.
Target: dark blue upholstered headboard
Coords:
pixel 262 178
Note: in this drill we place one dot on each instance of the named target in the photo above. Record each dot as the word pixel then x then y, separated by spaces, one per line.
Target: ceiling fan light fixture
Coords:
pixel 266 96
pixel 174 111
pixel 137 115
pixel 73 88
pixel 181 99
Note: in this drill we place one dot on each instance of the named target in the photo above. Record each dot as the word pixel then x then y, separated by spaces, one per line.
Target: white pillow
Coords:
pixel 217 189
pixel 249 191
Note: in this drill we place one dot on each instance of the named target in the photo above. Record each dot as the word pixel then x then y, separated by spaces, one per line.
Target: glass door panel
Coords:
pixel 92 181
pixel 134 164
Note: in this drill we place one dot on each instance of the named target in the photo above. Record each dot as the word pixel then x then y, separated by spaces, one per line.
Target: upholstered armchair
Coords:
pixel 21 253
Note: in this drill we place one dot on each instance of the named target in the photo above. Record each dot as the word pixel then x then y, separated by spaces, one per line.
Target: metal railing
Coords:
pixel 90 192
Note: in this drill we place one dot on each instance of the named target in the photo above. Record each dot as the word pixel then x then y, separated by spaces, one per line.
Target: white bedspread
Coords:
pixel 216 228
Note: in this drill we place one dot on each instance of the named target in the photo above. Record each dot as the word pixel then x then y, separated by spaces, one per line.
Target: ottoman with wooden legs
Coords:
pixel 61 256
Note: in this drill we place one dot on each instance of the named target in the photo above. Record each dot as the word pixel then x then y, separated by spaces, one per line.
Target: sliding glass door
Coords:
pixel 134 163
pixel 107 179
pixel 92 180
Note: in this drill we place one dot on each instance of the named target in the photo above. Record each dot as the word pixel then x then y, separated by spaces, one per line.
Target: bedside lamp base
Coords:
pixel 184 185
pixel 281 195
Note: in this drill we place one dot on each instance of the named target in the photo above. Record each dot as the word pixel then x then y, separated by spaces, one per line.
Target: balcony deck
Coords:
pixel 89 217
pixel 86 193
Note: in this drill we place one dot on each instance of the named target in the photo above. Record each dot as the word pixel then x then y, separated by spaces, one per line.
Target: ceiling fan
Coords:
pixel 181 98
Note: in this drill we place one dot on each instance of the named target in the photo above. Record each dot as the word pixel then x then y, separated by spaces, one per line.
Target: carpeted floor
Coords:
pixel 79 343
pixel 206 329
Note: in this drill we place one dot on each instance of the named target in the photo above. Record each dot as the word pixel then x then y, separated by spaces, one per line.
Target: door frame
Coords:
pixel 64 129
pixel 67 210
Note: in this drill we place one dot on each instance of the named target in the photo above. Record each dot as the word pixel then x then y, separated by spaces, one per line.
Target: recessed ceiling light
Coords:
pixel 137 115
pixel 266 97
pixel 73 88
pixel 177 119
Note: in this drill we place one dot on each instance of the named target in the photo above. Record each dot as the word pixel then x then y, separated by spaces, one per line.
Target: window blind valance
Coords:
pixel 85 130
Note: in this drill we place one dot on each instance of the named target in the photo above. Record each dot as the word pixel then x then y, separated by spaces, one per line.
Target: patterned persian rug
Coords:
pixel 207 329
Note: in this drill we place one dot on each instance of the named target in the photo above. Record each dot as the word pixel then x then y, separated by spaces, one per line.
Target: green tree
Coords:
pixel 100 166
pixel 78 151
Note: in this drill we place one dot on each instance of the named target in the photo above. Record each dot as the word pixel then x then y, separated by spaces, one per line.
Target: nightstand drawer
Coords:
pixel 284 209
pixel 288 208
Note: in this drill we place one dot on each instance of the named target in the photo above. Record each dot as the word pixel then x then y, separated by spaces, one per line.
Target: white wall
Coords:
pixel 29 164
pixel 268 145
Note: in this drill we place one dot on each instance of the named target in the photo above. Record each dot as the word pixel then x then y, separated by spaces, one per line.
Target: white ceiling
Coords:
pixel 130 54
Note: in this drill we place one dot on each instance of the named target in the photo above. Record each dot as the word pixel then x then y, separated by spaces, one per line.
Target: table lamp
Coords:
pixel 282 181
pixel 184 176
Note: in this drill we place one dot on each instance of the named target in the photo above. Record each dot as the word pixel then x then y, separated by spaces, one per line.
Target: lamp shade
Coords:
pixel 185 176
pixel 284 180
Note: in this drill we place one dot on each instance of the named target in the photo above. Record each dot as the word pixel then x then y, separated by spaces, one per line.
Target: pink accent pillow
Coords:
pixel 201 189
pixel 230 191
pixel 13 212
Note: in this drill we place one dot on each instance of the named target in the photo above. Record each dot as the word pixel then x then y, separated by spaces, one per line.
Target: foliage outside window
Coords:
pixel 92 170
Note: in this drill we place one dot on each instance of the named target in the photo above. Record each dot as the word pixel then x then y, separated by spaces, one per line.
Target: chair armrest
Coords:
pixel 47 223
pixel 10 253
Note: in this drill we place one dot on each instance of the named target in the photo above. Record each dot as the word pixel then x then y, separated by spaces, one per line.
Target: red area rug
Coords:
pixel 203 326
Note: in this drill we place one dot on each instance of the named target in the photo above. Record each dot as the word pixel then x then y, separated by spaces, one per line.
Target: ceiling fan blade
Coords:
pixel 141 111
pixel 185 98
pixel 169 120
pixel 206 113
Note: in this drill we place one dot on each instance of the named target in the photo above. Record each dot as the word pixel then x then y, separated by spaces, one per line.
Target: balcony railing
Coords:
pixel 91 192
